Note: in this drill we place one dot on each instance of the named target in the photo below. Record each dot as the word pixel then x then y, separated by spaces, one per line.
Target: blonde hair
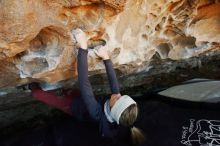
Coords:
pixel 128 117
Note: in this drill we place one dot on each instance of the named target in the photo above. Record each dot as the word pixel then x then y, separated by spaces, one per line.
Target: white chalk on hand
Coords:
pixel 76 31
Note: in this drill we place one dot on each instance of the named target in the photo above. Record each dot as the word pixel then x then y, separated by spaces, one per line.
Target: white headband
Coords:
pixel 120 105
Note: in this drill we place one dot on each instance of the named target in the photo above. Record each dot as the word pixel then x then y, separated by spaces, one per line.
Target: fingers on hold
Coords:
pixel 96 52
pixel 77 31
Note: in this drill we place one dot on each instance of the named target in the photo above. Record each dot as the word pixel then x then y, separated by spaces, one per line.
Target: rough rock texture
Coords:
pixel 35 40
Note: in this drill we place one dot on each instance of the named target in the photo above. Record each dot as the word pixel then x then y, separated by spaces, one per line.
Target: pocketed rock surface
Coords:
pixel 36 42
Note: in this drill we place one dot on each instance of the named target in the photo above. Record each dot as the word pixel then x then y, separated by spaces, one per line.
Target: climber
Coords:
pixel 118 113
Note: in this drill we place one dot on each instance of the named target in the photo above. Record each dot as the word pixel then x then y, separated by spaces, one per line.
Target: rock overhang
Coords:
pixel 36 44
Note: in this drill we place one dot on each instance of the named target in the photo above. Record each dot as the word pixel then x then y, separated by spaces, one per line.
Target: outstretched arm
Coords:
pixel 93 107
pixel 102 53
pixel 111 76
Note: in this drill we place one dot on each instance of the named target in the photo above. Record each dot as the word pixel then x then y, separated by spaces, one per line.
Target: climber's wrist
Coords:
pixel 105 58
pixel 84 46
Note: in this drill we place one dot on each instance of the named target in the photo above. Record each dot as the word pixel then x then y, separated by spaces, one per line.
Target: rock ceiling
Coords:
pixel 36 42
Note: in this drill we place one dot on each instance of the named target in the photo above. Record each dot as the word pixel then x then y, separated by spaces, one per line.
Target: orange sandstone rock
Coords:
pixel 36 45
